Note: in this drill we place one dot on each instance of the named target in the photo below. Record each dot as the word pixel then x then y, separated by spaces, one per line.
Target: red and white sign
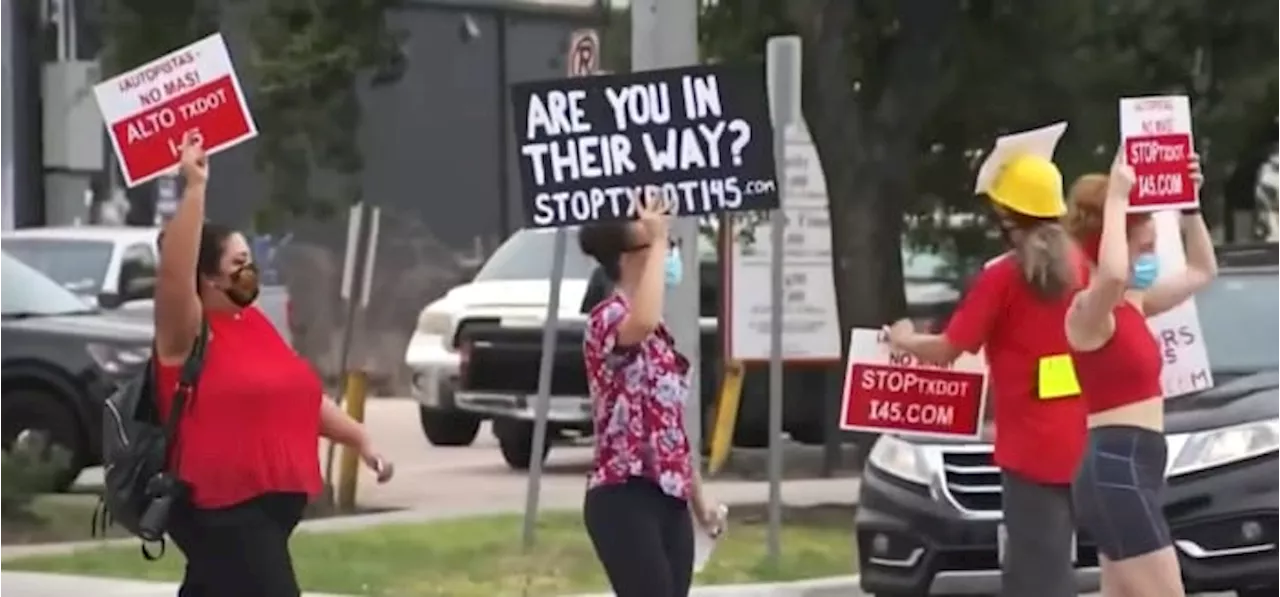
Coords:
pixel 1156 133
pixel 148 109
pixel 887 391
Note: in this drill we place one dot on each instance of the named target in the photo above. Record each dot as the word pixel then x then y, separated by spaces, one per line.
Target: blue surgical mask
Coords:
pixel 674 268
pixel 1146 268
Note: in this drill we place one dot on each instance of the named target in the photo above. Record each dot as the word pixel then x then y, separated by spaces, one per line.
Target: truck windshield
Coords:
pixel 26 292
pixel 1235 312
pixel 78 265
pixel 527 256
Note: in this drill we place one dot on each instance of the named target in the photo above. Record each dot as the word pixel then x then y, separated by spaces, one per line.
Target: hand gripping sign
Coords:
pixel 1156 137
pixel 148 109
pixel 886 391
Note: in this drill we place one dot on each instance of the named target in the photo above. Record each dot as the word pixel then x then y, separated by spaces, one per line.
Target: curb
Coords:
pixel 834 586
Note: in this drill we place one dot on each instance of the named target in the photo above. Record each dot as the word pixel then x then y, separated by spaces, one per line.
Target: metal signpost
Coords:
pixel 664 34
pixel 783 74
pixel 583 60
pixel 353 386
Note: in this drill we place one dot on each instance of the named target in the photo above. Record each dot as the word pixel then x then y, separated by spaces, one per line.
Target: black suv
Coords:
pixel 929 510
pixel 61 359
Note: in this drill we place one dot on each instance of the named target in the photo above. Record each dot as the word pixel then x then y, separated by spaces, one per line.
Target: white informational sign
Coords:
pixel 1155 133
pixel 886 391
pixel 1186 361
pixel 1039 142
pixel 810 322
pixel 149 109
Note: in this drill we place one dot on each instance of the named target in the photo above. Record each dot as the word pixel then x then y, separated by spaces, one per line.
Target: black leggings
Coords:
pixel 241 550
pixel 1119 489
pixel 643 537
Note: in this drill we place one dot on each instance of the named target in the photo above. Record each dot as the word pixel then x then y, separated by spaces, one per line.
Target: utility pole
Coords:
pixel 664 34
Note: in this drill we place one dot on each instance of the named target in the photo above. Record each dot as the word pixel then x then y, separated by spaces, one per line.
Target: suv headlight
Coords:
pixel 435 323
pixel 1207 449
pixel 116 359
pixel 900 459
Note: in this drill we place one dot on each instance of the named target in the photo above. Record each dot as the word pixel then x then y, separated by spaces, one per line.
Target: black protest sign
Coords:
pixel 589 146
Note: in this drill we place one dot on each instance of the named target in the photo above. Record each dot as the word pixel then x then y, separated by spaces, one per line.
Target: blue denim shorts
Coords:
pixel 1119 491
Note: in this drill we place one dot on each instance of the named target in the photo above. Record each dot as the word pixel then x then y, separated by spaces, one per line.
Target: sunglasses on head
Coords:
pixel 672 243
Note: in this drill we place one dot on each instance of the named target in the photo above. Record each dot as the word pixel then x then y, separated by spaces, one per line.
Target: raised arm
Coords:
pixel 1089 321
pixel 1202 263
pixel 177 304
pixel 646 304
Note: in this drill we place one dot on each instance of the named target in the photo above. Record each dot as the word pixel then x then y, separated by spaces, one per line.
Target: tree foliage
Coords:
pixel 904 96
pixel 307 59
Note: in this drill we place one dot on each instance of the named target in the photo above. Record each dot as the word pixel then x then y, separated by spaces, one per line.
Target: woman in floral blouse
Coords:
pixel 642 485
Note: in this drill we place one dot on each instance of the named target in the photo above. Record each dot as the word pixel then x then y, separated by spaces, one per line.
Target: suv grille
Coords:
pixel 972 480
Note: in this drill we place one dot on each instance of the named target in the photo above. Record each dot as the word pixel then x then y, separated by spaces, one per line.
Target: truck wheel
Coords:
pixel 45 413
pixel 750 436
pixel 810 434
pixel 448 427
pixel 515 439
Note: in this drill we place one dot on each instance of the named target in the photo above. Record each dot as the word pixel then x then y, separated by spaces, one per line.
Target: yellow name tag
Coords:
pixel 1057 378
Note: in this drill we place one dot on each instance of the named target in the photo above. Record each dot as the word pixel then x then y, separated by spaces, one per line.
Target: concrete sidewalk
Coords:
pixel 33 584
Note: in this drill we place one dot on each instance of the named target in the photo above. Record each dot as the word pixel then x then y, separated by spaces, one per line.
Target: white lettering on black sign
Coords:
pixel 589 146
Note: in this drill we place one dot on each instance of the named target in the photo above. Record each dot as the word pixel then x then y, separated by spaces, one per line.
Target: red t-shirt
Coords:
pixel 252 424
pixel 1041 439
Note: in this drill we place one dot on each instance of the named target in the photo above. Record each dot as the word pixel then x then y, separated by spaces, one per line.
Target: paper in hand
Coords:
pixel 1041 142
pixel 704 543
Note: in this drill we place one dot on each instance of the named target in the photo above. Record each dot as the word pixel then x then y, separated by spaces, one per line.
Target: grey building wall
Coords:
pixel 439 163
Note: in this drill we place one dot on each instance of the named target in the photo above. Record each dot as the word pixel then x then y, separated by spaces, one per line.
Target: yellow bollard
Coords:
pixel 349 466
pixel 726 416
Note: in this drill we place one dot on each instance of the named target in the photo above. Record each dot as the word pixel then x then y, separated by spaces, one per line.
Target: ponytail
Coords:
pixel 1045 258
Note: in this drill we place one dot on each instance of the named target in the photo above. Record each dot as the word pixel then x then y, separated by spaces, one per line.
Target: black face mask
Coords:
pixel 244 287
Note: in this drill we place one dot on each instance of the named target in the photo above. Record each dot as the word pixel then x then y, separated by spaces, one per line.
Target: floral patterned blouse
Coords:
pixel 638 395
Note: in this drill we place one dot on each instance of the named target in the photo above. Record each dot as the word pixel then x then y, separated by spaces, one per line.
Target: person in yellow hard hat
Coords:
pixel 1014 311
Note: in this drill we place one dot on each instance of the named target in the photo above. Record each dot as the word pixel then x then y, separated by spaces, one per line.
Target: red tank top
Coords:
pixel 252 424
pixel 1124 370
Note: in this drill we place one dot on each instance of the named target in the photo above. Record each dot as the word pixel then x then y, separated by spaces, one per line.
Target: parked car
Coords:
pixel 62 357
pixel 929 509
pixel 114 267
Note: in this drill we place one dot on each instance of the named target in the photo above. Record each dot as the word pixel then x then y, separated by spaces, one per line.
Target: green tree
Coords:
pixel 306 61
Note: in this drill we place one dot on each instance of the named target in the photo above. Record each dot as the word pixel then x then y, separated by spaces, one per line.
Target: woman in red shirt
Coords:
pixel 246 450
pixel 1118 489
pixel 1012 311
pixel 642 484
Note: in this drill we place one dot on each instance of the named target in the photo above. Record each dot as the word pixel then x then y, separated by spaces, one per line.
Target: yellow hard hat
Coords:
pixel 1030 185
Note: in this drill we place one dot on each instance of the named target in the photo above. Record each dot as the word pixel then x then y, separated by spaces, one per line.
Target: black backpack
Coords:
pixel 135 445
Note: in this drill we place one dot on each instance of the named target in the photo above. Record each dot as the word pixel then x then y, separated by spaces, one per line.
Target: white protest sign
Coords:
pixel 1186 360
pixel 148 109
pixel 886 391
pixel 810 322
pixel 1038 142
pixel 1155 133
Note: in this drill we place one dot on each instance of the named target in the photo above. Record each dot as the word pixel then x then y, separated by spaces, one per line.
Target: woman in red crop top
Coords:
pixel 246 448
pixel 1117 492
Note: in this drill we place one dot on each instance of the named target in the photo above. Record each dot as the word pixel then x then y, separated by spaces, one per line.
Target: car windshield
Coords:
pixel 26 292
pixel 1235 311
pixel 527 256
pixel 78 265
pixel 919 266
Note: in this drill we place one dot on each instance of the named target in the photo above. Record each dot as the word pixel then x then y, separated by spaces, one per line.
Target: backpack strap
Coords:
pixel 186 381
